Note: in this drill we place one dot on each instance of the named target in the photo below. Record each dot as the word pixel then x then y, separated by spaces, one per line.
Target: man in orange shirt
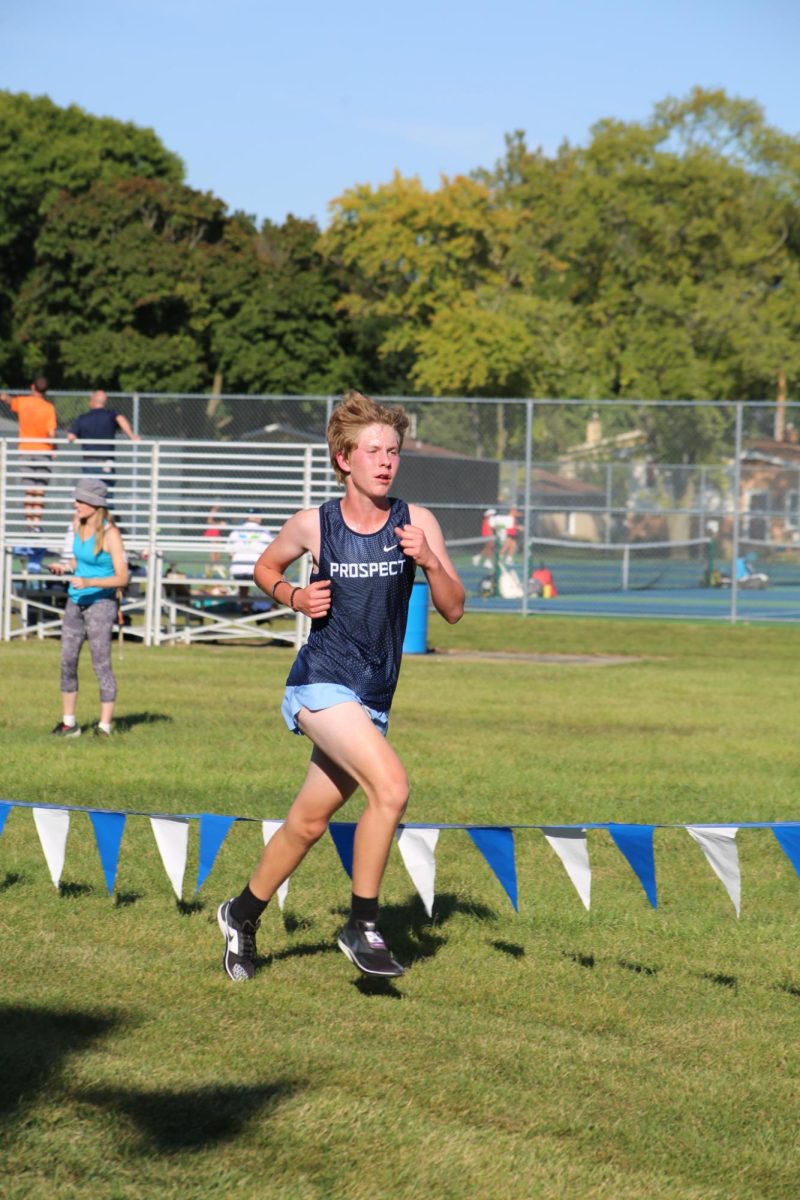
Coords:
pixel 37 428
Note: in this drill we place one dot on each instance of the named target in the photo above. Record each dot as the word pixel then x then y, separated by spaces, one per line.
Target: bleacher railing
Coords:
pixel 176 504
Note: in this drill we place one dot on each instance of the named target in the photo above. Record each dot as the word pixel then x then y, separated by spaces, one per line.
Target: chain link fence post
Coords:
pixel 526 524
pixel 737 501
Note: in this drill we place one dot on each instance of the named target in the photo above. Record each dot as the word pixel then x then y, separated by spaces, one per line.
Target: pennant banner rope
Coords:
pixel 416 842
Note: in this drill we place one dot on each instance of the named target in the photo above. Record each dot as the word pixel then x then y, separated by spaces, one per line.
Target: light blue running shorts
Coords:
pixel 316 696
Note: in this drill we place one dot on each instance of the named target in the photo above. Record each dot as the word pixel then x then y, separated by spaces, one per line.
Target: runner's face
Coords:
pixel 374 462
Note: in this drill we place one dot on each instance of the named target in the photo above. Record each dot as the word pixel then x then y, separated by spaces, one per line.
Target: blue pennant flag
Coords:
pixel 343 834
pixel 213 831
pixel 5 809
pixel 497 847
pixel 788 838
pixel 636 843
pixel 108 830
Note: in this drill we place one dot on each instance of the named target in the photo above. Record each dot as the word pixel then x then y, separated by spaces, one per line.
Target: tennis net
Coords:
pixel 590 567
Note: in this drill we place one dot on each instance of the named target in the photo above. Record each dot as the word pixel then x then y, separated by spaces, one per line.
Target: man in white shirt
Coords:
pixel 245 545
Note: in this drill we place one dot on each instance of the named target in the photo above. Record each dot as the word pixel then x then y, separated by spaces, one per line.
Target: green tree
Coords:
pixel 275 326
pixel 44 149
pixel 118 291
pixel 676 242
pixel 660 261
pixel 151 286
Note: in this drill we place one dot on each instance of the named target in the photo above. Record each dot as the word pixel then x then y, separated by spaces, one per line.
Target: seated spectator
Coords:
pixel 245 545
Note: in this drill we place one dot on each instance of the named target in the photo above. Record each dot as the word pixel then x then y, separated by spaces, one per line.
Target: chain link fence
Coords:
pixel 699 500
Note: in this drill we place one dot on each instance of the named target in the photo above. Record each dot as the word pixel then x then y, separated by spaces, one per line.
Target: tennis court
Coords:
pixel 679 593
pixel 687 603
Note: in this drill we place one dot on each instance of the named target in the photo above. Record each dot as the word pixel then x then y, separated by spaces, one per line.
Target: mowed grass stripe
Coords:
pixel 617 1053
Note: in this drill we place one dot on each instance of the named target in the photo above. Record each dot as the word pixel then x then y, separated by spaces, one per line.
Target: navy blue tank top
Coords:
pixel 359 642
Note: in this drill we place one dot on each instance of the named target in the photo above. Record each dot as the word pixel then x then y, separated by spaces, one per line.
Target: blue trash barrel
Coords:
pixel 416 639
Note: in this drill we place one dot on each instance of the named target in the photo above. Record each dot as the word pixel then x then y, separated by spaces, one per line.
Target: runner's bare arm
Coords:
pixel 423 541
pixel 299 535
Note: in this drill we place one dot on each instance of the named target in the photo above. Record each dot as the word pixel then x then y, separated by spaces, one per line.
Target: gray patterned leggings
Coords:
pixel 96 622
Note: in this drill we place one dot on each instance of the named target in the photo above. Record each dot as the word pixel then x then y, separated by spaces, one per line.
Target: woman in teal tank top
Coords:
pixel 98 566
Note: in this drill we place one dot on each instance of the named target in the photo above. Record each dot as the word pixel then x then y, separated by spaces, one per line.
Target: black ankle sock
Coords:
pixel 247 907
pixel 363 908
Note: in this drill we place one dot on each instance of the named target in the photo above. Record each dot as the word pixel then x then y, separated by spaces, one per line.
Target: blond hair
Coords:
pixel 351 417
pixel 100 520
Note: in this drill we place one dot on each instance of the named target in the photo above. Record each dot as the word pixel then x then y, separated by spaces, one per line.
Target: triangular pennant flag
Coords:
pixel 788 838
pixel 269 829
pixel 213 831
pixel 417 848
pixel 636 843
pixel 343 834
pixel 718 843
pixel 52 825
pixel 5 809
pixel 496 844
pixel 572 848
pixel 172 839
pixel 108 830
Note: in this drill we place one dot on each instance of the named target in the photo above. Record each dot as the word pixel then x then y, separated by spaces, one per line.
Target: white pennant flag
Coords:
pixel 52 826
pixel 417 848
pixel 172 839
pixel 718 843
pixel 572 848
pixel 269 829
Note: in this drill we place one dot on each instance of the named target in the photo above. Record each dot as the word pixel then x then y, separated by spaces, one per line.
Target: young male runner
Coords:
pixel 365 550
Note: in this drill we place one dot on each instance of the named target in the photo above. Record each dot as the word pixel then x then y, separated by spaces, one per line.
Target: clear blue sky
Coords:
pixel 279 108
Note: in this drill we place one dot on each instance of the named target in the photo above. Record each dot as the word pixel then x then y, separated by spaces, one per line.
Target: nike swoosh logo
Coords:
pixel 386 549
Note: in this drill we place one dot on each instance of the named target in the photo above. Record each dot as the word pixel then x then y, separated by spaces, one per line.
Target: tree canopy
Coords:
pixel 660 260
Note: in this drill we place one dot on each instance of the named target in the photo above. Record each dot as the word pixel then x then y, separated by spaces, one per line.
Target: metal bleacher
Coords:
pixel 162 495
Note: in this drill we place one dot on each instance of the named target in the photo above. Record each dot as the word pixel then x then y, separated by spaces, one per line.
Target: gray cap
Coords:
pixel 91 490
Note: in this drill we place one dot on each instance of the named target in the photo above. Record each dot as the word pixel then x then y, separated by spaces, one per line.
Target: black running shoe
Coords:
pixel 239 959
pixel 364 946
pixel 62 730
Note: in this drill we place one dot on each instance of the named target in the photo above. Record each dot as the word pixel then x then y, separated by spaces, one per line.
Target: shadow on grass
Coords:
pixel 293 924
pixel 34 1044
pixel 374 986
pixel 125 899
pixel 510 948
pixel 638 968
pixel 409 930
pixel 582 960
pixel 171 1121
pixel 188 908
pixel 303 950
pixel 727 981
pixel 131 720
pixel 72 891
pixel 8 881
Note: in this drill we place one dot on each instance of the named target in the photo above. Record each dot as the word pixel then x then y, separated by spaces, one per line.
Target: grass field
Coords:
pixel 622 1053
